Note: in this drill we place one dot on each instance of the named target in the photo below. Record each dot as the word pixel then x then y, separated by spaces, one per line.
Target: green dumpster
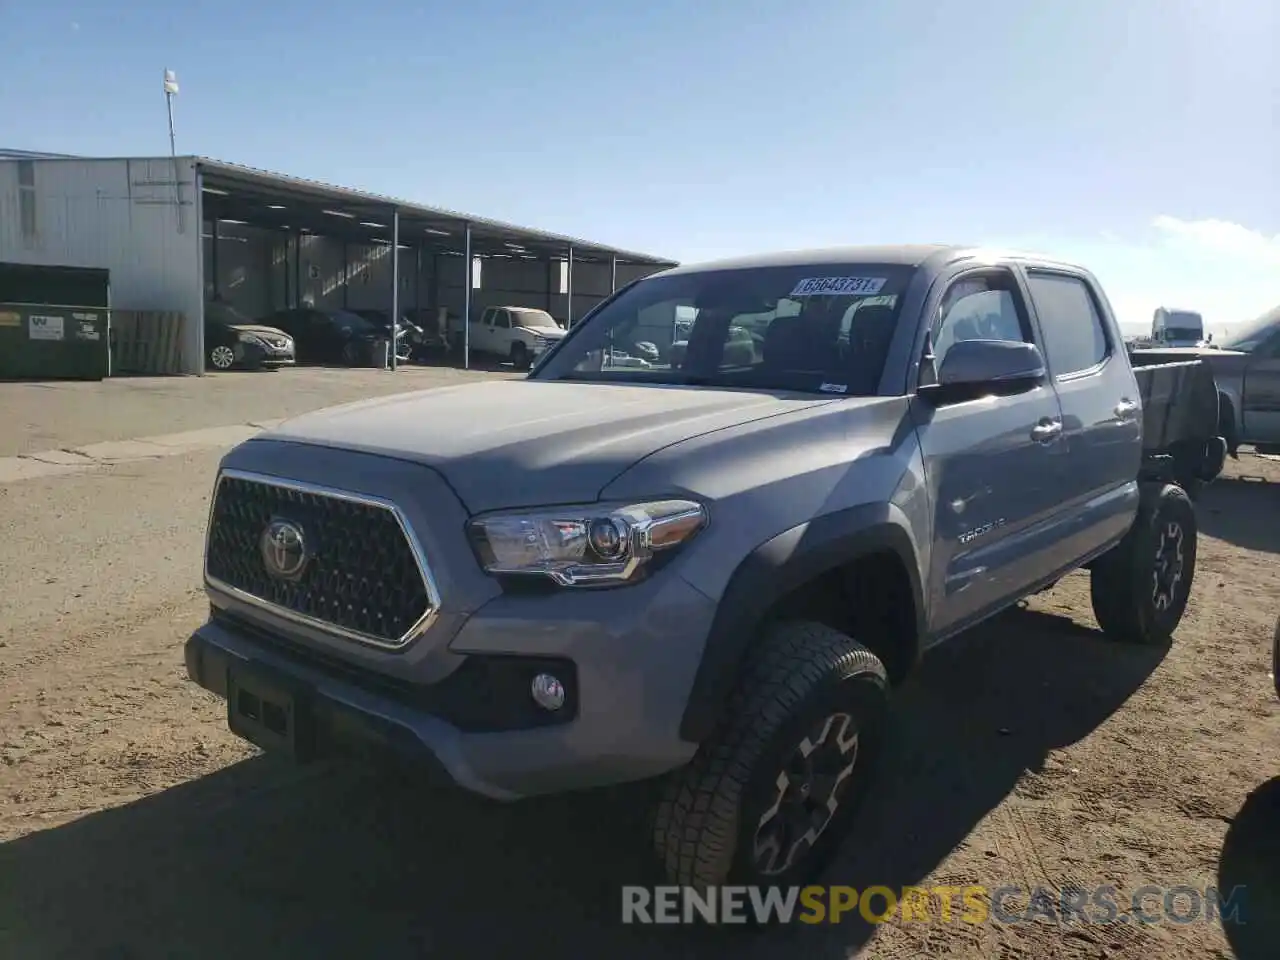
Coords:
pixel 54 323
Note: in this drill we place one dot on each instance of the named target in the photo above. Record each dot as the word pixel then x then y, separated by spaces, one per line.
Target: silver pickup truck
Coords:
pixel 1246 369
pixel 711 571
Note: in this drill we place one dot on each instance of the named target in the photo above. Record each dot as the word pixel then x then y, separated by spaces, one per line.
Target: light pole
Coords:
pixel 171 91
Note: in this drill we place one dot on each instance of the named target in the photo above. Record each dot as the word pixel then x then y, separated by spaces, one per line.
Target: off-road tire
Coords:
pixel 705 824
pixel 1123 582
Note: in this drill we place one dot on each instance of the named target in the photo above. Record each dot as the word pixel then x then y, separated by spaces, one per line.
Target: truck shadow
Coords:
pixel 261 859
pixel 1251 860
pixel 1242 511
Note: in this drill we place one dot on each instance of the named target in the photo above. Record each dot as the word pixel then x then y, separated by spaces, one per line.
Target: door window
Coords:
pixel 502 320
pixel 980 307
pixel 1075 339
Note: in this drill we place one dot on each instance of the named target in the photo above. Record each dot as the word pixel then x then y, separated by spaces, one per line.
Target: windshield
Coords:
pixel 817 328
pixel 1248 339
pixel 532 318
pixel 1182 333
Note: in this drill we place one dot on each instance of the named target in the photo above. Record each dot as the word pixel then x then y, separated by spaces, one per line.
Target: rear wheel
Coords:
pixel 768 799
pixel 222 358
pixel 1141 587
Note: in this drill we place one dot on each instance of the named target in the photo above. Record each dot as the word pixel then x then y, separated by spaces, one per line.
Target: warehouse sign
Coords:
pixel 44 327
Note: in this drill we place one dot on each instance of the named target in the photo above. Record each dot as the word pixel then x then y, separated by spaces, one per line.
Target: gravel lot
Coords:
pixel 1031 752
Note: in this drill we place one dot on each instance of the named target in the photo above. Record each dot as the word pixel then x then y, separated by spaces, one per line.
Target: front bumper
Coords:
pixel 627 678
pixel 268 356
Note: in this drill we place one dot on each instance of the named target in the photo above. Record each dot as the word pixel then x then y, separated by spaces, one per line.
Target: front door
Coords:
pixel 1261 398
pixel 990 463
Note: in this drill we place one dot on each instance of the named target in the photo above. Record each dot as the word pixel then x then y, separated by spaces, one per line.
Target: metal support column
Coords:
pixel 297 270
pixel 568 285
pixel 613 275
pixel 346 272
pixel 213 255
pixel 395 286
pixel 417 285
pixel 466 304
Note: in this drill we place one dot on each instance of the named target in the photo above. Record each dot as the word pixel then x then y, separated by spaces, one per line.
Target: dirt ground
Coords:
pixel 1031 753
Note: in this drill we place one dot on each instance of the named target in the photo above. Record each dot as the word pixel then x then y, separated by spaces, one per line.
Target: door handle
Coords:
pixel 1046 430
pixel 1126 408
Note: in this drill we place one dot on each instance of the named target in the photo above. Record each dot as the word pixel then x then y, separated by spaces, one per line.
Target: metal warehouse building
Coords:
pixel 175 232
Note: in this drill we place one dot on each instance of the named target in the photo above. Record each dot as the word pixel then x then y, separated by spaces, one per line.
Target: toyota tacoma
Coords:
pixel 711 572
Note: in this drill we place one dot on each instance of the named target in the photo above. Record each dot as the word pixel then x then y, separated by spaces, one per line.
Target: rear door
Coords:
pixel 1101 409
pixel 1261 401
pixel 991 463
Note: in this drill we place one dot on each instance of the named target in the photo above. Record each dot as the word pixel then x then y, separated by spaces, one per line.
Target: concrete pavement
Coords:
pixel 42 416
pixel 61 429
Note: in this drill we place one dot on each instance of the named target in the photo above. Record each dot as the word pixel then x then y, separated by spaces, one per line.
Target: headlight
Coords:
pixel 581 546
pixel 252 338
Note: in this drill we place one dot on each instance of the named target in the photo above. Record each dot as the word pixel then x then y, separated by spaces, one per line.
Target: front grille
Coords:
pixel 361 578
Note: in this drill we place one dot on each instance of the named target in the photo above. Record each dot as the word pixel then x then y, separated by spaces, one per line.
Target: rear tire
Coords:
pixel 1141 587
pixel 768 798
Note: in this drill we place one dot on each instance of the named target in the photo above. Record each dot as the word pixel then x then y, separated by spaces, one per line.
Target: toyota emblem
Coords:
pixel 284 550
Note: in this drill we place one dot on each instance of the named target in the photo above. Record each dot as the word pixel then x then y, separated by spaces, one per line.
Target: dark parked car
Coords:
pixel 233 340
pixel 328 336
pixel 409 335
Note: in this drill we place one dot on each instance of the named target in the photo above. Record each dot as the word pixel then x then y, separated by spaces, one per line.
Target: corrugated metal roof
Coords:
pixel 223 170
pixel 8 153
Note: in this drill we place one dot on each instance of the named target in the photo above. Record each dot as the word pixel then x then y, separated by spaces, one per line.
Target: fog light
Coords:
pixel 548 692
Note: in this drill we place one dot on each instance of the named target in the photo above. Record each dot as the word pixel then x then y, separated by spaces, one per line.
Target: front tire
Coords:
pixel 768 798
pixel 1141 587
pixel 222 358
pixel 520 356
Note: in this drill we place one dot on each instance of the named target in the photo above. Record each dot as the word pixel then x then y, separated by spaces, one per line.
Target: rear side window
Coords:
pixel 1074 336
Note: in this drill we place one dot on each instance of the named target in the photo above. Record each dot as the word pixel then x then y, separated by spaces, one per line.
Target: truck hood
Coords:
pixel 523 443
pixel 551 333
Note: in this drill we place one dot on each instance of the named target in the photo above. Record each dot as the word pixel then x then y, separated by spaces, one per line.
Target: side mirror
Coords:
pixel 991 363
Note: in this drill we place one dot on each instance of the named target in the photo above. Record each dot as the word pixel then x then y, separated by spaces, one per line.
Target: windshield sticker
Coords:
pixel 837 286
pixel 834 388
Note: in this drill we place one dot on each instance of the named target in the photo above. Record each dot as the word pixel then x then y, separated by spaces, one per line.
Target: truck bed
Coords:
pixel 1179 400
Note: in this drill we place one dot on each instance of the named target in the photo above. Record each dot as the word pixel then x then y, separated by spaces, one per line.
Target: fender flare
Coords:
pixel 771 571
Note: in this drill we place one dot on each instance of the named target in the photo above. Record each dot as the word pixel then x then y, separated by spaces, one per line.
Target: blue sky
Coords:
pixel 1141 137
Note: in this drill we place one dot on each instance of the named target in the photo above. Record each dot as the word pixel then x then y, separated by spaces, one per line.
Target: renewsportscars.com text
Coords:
pixel 973 904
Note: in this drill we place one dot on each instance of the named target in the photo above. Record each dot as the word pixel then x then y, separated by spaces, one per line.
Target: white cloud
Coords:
pixel 1220 237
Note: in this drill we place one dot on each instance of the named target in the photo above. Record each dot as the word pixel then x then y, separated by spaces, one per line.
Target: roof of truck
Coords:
pixel 903 254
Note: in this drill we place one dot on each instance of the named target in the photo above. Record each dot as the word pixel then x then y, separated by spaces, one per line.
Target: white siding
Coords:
pixel 121 215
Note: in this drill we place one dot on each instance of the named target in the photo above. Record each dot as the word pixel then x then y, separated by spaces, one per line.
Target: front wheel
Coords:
pixel 1141 587
pixel 222 358
pixel 768 799
pixel 520 356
